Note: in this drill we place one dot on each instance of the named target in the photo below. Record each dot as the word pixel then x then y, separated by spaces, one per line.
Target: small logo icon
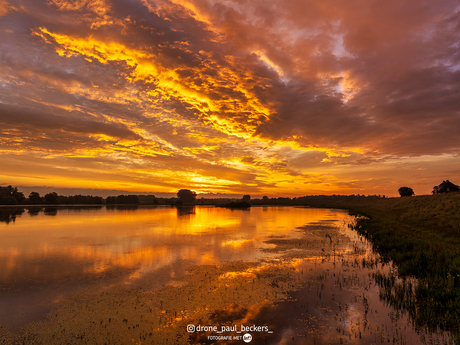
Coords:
pixel 247 338
pixel 190 328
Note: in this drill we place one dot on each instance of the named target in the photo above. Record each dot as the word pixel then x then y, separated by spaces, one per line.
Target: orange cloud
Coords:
pixel 5 7
pixel 100 7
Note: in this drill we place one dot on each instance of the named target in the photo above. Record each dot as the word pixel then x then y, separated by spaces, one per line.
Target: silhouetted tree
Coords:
pixel 127 199
pixel 51 198
pixel 405 191
pixel 111 200
pixel 8 200
pixel 186 196
pixel 237 204
pixel 19 196
pixel 246 198
pixel 80 199
pixel 34 198
pixel 11 196
pixel 147 199
pixel 123 199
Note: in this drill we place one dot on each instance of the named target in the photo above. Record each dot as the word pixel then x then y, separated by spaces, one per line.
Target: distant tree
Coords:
pixel 51 198
pixel 34 198
pixel 238 204
pixel 80 199
pixel 246 198
pixel 127 199
pixel 405 191
pixel 186 196
pixel 265 198
pixel 11 196
pixel 147 199
pixel 111 200
pixel 8 200
pixel 19 196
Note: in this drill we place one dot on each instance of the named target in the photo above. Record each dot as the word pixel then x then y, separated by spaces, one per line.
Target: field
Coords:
pixel 421 235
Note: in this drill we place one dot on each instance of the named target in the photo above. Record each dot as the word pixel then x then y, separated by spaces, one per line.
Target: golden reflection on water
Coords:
pixel 309 285
pixel 92 241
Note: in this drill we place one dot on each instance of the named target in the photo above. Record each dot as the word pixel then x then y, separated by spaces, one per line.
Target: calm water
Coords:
pixel 329 296
pixel 45 254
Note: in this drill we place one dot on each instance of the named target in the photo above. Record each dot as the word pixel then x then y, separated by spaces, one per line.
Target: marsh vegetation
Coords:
pixel 421 235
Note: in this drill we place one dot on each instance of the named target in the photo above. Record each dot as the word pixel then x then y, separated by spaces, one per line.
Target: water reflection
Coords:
pixel 50 211
pixel 185 210
pixel 126 237
pixel 151 271
pixel 8 214
pixel 34 211
pixel 87 246
pixel 122 207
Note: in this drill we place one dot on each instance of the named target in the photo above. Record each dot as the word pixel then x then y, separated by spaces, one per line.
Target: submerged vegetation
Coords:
pixel 422 236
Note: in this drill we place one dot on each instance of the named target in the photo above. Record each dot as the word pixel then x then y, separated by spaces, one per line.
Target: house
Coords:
pixel 445 187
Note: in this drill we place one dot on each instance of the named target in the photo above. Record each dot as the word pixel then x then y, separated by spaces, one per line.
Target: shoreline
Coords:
pixel 421 234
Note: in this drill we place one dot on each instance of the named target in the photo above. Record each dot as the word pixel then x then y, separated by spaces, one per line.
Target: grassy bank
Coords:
pixel 422 236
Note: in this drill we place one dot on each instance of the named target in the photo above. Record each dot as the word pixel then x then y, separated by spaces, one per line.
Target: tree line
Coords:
pixel 12 196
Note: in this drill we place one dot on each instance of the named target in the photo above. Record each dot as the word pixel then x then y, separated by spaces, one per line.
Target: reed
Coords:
pixel 421 235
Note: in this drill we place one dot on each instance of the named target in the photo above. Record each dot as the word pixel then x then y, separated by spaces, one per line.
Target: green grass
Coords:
pixel 422 236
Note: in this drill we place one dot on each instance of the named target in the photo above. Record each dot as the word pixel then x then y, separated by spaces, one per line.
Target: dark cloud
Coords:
pixel 400 57
pixel 74 122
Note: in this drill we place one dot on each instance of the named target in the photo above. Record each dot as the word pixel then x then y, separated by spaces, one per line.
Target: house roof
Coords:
pixel 447 186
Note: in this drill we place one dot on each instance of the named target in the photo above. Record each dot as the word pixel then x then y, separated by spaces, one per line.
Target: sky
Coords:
pixel 229 97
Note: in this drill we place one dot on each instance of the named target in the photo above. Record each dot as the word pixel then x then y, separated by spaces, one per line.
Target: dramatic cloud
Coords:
pixel 230 96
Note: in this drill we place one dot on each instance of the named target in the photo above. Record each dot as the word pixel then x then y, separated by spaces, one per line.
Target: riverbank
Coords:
pixel 422 236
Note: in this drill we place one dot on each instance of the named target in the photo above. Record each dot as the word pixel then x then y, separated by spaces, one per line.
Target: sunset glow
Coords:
pixel 277 98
